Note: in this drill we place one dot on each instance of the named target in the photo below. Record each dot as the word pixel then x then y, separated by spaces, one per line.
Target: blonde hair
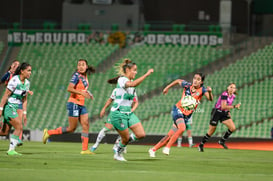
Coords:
pixel 121 68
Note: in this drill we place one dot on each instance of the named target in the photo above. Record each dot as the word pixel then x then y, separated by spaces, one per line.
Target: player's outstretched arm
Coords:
pixel 177 81
pixel 139 80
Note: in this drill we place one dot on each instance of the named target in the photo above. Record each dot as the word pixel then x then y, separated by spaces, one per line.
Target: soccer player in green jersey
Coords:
pixel 122 117
pixel 14 96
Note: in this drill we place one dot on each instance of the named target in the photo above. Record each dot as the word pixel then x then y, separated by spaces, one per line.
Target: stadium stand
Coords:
pixel 243 72
pixel 53 65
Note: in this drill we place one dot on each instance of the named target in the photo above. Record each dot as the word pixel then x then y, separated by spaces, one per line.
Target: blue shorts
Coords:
pixel 177 114
pixel 75 110
pixel 20 106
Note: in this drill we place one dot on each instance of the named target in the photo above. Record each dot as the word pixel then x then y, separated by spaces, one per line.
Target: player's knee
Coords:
pixel 232 129
pixel 71 130
pixel 140 136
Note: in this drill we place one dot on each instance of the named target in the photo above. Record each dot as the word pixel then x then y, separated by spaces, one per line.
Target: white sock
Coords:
pixel 190 140
pixel 13 143
pixel 179 141
pixel 101 135
pixel 133 137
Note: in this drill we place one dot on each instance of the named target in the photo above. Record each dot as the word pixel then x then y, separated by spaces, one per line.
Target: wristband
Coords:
pixel 234 106
pixel 1 108
pixel 25 112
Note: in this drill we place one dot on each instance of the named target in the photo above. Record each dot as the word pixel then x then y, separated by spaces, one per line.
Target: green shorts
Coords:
pixel 10 111
pixel 122 121
pixel 108 119
pixel 188 124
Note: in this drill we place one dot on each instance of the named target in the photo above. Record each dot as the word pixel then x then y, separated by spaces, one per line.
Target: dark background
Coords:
pixel 35 12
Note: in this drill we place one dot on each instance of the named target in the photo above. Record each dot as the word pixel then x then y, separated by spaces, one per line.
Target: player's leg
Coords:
pixel 14 138
pixel 5 129
pixel 124 134
pixel 190 139
pixel 73 117
pixel 215 116
pixel 85 133
pixel 20 115
pixel 206 137
pixel 107 127
pixel 163 141
pixel 179 141
pixel 120 123
pixel 181 128
pixel 231 128
pixel 136 127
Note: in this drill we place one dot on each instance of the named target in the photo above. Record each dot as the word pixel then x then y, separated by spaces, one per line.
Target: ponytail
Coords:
pixel 121 69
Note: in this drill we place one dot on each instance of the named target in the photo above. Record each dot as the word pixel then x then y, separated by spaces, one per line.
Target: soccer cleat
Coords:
pixel 151 153
pixel 201 148
pixel 13 152
pixel 166 150
pixel 87 152
pixel 45 136
pixel 119 157
pixel 192 145
pixel 223 144
pixel 92 149
pixel 179 145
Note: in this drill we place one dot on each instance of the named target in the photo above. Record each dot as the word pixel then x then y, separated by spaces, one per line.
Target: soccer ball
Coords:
pixel 188 103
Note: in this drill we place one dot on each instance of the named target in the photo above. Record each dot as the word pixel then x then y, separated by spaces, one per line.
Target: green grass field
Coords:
pixel 62 161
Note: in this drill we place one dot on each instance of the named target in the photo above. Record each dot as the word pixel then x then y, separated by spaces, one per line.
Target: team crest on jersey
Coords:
pixel 122 125
pixel 197 93
pixel 14 113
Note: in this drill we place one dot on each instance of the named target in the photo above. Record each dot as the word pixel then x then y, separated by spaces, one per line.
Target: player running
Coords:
pixel 179 114
pixel 122 117
pixel 4 127
pixel 15 96
pixel 108 125
pixel 75 105
pixel 221 112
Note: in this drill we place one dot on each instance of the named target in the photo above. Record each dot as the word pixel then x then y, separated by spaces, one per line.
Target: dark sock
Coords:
pixel 205 139
pixel 226 135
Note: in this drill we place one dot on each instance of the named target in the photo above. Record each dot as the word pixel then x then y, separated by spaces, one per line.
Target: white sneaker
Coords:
pixel 151 153
pixel 119 157
pixel 166 150
pixel 178 145
pixel 125 150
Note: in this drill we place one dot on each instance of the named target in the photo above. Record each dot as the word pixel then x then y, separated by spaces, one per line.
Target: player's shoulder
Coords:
pixel 14 79
pixel 224 93
pixel 123 78
pixel 76 74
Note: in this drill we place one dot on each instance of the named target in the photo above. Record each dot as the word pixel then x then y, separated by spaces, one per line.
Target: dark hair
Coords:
pixel 12 63
pixel 21 67
pixel 90 69
pixel 203 77
pixel 113 80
